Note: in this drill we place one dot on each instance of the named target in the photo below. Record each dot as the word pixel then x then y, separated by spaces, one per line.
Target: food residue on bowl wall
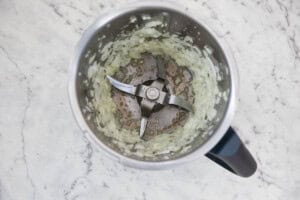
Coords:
pixel 151 37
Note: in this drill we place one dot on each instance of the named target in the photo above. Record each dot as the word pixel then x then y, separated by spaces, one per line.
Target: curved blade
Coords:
pixel 146 109
pixel 161 70
pixel 130 89
pixel 144 121
pixel 178 101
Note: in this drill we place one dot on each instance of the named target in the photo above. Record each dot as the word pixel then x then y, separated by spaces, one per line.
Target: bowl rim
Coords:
pixel 101 21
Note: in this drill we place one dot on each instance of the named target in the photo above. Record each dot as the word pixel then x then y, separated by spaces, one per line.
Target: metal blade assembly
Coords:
pixel 151 95
pixel 130 89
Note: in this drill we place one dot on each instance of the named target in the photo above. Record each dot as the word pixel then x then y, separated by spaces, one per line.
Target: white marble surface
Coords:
pixel 44 155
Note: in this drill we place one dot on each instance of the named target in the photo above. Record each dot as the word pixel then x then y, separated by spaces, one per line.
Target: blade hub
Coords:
pixel 152 93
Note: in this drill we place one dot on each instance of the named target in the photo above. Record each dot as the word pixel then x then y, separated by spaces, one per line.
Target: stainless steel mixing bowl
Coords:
pixel 181 22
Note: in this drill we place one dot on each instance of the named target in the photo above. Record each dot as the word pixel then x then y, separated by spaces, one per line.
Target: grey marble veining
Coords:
pixel 44 155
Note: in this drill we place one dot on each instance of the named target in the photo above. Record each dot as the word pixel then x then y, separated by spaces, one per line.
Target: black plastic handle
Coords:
pixel 232 154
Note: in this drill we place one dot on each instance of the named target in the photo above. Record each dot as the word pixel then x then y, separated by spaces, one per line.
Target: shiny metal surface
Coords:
pixel 185 23
pixel 144 121
pixel 178 101
pixel 129 89
pixel 161 72
pixel 160 97
pixel 152 95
